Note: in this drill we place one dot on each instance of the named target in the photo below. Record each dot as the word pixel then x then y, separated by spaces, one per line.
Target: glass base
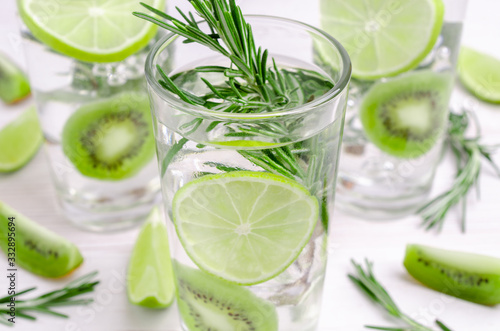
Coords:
pixel 108 221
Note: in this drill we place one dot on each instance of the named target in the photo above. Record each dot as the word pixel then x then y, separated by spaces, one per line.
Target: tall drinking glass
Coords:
pixel 404 55
pixel 94 112
pixel 249 195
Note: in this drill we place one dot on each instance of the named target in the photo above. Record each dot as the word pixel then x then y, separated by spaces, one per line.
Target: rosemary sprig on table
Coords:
pixel 469 153
pixel 44 303
pixel 366 281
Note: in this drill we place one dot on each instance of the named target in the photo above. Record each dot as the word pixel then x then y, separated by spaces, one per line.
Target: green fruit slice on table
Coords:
pixel 383 38
pixel 91 31
pixel 150 280
pixel 208 303
pixel 111 139
pixel 405 116
pixel 468 276
pixel 245 227
pixel 14 85
pixel 37 249
pixel 20 140
pixel 480 74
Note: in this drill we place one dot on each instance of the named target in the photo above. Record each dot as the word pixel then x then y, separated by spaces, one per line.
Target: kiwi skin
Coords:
pixel 467 276
pixel 37 249
pixel 387 101
pixel 204 301
pixel 90 142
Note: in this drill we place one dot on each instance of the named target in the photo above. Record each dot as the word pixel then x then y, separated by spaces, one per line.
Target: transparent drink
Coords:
pixel 376 181
pixel 299 145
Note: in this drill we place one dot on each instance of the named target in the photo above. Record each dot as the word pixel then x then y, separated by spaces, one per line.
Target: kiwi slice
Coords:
pixel 466 276
pixel 111 139
pixel 14 84
pixel 36 249
pixel 405 116
pixel 209 303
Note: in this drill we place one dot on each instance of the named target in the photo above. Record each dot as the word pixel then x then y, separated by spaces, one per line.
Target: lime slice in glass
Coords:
pixel 19 141
pixel 91 31
pixel 384 37
pixel 150 279
pixel 480 74
pixel 245 227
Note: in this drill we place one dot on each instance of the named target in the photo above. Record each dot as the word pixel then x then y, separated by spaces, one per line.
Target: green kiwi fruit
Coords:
pixel 405 116
pixel 209 303
pixel 14 85
pixel 466 276
pixel 34 247
pixel 111 139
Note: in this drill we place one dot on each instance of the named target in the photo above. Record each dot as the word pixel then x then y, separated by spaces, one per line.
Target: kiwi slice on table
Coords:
pixel 36 248
pixel 405 116
pixel 208 303
pixel 466 276
pixel 111 139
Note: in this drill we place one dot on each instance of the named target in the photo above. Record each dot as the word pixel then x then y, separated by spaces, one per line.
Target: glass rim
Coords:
pixel 173 99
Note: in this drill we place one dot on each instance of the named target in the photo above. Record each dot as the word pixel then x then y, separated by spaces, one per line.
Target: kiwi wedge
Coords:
pixel 209 303
pixel 36 249
pixel 111 139
pixel 467 276
pixel 14 85
pixel 405 116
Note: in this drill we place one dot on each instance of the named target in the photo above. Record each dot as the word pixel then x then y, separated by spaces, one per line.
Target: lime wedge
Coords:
pixel 480 74
pixel 14 85
pixel 91 31
pixel 383 38
pixel 150 280
pixel 245 227
pixel 20 140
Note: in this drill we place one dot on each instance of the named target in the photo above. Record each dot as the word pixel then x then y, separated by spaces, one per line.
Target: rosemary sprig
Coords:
pixel 45 302
pixel 366 281
pixel 469 153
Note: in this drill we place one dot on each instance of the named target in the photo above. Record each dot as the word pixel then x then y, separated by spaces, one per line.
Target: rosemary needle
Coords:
pixel 366 281
pixel 469 153
pixel 45 302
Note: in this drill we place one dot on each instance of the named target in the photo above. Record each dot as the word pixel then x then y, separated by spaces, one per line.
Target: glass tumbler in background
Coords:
pixel 248 195
pixel 95 117
pixel 395 122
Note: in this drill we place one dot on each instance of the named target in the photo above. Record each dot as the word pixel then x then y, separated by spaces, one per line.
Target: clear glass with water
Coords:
pixel 377 184
pixel 194 143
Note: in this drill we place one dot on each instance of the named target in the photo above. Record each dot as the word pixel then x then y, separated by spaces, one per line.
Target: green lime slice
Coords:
pixel 14 85
pixel 480 74
pixel 91 31
pixel 383 38
pixel 20 140
pixel 245 227
pixel 150 279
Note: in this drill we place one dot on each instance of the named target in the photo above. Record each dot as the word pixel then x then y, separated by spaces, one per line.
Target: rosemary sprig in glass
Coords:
pixel 44 303
pixel 468 152
pixel 366 281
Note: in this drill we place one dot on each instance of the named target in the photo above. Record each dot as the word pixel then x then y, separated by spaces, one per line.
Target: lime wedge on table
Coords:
pixel 150 280
pixel 19 141
pixel 91 31
pixel 480 74
pixel 383 37
pixel 245 227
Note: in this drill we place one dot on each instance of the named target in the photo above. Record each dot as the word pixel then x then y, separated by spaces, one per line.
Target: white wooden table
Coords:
pixel 345 308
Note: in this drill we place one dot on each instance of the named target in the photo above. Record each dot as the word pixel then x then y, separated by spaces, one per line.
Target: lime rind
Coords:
pixel 126 40
pixel 375 37
pixel 480 74
pixel 210 258
pixel 20 141
pixel 150 279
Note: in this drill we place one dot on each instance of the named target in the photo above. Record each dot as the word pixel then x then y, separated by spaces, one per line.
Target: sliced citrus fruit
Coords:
pixel 20 140
pixel 150 280
pixel 480 74
pixel 383 38
pixel 245 227
pixel 91 31
pixel 14 85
